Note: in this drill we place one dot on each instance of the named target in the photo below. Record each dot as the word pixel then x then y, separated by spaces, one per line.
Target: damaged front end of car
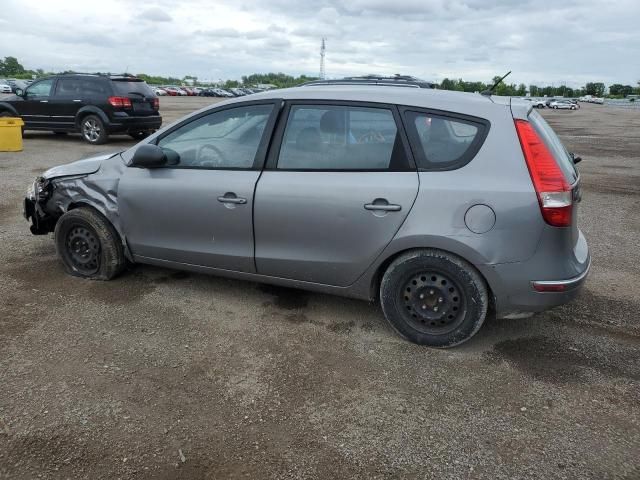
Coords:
pixel 38 193
pixel 91 182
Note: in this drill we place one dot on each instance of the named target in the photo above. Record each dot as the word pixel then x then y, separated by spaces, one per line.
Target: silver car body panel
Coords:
pixel 311 230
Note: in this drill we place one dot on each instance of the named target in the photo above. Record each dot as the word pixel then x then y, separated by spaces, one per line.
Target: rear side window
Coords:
pixel 440 142
pixel 554 144
pixel 81 86
pixel 128 87
pixel 333 137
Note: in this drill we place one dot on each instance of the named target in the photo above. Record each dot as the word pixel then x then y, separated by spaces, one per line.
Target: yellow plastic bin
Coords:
pixel 11 134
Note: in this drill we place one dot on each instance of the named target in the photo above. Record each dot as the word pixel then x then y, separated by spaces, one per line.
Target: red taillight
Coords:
pixel 548 287
pixel 120 102
pixel 156 103
pixel 554 193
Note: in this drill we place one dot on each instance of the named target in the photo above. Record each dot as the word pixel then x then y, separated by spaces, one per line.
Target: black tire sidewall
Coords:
pixel 463 274
pixel 112 260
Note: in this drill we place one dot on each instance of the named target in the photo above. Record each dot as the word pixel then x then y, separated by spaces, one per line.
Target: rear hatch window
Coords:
pixel 142 97
pixel 553 143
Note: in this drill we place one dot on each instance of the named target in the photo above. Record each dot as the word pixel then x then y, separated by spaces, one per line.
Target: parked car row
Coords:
pixel 592 99
pixel 10 85
pixel 176 91
pixel 552 102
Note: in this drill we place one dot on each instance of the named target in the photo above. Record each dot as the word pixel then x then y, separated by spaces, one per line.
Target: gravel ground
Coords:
pixel 163 374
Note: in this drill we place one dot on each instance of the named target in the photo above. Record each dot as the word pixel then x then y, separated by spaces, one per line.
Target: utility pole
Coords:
pixel 322 53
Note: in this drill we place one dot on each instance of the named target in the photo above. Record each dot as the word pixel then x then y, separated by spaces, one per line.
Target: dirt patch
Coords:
pixel 286 298
pixel 558 361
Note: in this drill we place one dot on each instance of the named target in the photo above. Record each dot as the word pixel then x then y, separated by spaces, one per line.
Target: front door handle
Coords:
pixel 44 101
pixel 384 207
pixel 232 198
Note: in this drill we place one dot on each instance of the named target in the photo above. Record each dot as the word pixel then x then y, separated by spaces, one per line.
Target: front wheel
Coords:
pixel 433 298
pixel 93 130
pixel 88 245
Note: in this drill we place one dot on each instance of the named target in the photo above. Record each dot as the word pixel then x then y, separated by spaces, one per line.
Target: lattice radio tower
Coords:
pixel 323 48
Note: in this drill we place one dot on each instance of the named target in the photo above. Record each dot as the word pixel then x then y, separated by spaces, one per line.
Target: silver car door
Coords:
pixel 334 193
pixel 199 209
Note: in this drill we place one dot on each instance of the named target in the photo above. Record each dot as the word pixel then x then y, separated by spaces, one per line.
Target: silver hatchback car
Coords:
pixel 443 206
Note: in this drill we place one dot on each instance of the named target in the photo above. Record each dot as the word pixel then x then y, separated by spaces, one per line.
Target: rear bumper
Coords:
pixel 548 279
pixel 129 124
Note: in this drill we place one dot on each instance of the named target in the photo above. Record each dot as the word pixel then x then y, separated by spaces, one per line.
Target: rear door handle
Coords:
pixel 44 101
pixel 77 101
pixel 232 199
pixel 383 207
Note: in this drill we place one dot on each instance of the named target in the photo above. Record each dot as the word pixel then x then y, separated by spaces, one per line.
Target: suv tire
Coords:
pixel 433 298
pixel 93 130
pixel 88 245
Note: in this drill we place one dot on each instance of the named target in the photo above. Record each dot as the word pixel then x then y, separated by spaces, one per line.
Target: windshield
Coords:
pixel 556 147
pixel 127 87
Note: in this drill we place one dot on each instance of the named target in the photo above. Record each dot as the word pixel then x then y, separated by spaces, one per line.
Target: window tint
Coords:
pixel 226 139
pixel 122 87
pixel 319 137
pixel 40 89
pixel 443 142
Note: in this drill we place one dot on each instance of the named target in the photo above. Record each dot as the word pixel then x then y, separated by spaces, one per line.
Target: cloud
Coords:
pixel 155 15
pixel 570 42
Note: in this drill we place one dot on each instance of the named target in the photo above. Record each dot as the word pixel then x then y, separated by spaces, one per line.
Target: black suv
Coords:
pixel 93 104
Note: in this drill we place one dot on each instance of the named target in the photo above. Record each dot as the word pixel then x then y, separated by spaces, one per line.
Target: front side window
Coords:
pixel 225 139
pixel 40 89
pixel 441 142
pixel 324 137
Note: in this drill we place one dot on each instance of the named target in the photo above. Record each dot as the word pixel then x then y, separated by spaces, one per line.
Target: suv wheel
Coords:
pixel 93 130
pixel 433 298
pixel 88 245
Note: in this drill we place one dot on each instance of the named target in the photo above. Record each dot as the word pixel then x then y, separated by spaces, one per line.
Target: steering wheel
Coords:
pixel 371 137
pixel 210 156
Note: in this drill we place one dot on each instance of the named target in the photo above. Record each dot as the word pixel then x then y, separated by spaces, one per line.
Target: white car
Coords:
pixel 4 88
pixel 537 103
pixel 563 104
pixel 160 92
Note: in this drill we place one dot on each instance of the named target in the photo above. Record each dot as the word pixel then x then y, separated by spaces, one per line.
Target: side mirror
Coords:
pixel 19 92
pixel 149 156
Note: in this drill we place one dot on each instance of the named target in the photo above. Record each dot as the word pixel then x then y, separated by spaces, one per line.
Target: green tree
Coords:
pixel 11 67
pixel 522 90
pixel 594 88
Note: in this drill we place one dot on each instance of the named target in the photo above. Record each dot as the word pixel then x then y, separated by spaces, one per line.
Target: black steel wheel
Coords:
pixel 433 298
pixel 88 245
pixel 434 304
pixel 83 249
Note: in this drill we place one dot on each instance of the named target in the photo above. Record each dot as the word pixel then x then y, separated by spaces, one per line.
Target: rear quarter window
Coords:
pixel 443 142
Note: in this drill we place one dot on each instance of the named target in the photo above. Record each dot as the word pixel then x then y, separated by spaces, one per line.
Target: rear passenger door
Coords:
pixel 337 186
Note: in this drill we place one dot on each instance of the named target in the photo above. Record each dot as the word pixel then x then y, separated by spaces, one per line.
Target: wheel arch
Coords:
pixel 7 107
pixel 486 273
pixel 91 110
pixel 96 208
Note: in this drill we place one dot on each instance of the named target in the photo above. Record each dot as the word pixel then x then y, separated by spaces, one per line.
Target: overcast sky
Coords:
pixel 542 41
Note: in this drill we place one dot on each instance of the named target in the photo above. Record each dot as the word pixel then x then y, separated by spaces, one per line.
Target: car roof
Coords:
pixel 447 100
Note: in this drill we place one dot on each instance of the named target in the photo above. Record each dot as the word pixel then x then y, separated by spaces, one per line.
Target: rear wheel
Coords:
pixel 93 130
pixel 88 245
pixel 433 298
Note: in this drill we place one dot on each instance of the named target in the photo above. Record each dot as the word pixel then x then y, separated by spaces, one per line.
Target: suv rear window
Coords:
pixel 441 142
pixel 554 144
pixel 126 87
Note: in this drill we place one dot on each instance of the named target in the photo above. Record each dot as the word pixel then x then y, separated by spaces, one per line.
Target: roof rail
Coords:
pixel 393 81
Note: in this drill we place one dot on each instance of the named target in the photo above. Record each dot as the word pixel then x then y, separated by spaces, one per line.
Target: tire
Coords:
pixel 88 245
pixel 4 113
pixel 139 135
pixel 93 130
pixel 433 298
